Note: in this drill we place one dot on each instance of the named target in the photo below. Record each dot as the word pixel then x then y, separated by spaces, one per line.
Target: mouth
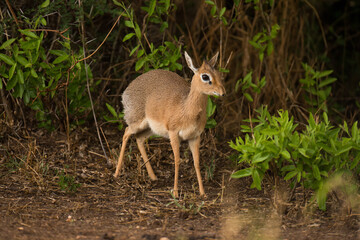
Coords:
pixel 218 94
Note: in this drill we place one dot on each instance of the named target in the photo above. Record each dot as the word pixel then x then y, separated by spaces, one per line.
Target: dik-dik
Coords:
pixel 163 103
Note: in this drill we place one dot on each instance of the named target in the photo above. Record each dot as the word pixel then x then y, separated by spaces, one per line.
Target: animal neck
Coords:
pixel 195 102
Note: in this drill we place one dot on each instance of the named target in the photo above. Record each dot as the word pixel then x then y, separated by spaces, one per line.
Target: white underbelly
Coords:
pixel 158 128
pixel 191 131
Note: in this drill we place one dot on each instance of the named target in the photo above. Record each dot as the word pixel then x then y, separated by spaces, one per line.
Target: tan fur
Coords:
pixel 163 103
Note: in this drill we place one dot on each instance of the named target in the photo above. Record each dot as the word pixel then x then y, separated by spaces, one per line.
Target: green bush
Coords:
pixel 309 157
pixel 37 75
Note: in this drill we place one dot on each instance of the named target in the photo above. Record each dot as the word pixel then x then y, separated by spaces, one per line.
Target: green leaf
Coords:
pixel 210 108
pixel 242 173
pixel 355 162
pixel 290 175
pixel 129 24
pixel 29 45
pixel 237 85
pixel 28 33
pixel 43 21
pixel 325 73
pixel 303 152
pixel 167 4
pixel 112 110
pixel 248 97
pixel 164 26
pixel 210 123
pixel 45 4
pixel 12 70
pixel 117 3
pixel 345 127
pixel 316 172
pixel 152 7
pixel 321 196
pixel 128 36
pixel 137 31
pixel 248 78
pixel 23 61
pixel 354 131
pixel 8 60
pixel 139 64
pixel 260 157
pixel 270 48
pixel 140 53
pixel 213 10
pixel 288 168
pixel 261 56
pixel 209 2
pixel 33 73
pixel 11 83
pixel 134 50
pixel 256 179
pixel 270 132
pixel 285 154
pixel 326 82
pixel 7 43
pixel 60 59
pixel 343 150
pixel 20 76
pixel 222 11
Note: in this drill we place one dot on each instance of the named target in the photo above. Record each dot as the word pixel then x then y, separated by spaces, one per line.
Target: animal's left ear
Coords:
pixel 214 59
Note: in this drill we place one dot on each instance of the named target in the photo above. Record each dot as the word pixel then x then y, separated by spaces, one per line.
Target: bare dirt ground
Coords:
pixel 48 192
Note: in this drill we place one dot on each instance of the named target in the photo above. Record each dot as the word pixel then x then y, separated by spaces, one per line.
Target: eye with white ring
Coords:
pixel 206 78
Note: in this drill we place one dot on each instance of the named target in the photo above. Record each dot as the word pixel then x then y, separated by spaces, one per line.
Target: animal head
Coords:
pixel 206 78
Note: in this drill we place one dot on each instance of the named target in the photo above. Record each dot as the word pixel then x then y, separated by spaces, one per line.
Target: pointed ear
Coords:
pixel 213 60
pixel 190 63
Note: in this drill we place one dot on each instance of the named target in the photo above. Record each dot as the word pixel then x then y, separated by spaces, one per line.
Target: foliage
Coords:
pixel 216 12
pixel 317 84
pixel 263 41
pixel 192 207
pixel 248 84
pixel 115 118
pixel 35 75
pixel 309 157
pixel 68 183
pixel 164 56
pixel 210 110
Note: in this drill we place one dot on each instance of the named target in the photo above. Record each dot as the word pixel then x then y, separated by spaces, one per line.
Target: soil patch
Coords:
pixel 49 192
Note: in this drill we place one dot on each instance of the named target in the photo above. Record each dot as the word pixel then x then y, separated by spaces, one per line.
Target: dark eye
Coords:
pixel 205 77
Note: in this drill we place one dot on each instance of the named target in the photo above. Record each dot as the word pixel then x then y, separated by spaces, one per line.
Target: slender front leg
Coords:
pixel 126 136
pixel 194 147
pixel 175 145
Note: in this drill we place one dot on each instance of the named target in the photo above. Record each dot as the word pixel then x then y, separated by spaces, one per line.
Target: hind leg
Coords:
pixel 126 136
pixel 140 138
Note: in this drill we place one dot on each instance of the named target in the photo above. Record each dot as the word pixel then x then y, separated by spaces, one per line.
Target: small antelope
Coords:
pixel 163 103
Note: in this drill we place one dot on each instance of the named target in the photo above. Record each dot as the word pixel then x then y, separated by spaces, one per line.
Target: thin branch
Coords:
pixel 88 84
pixel 117 20
pixel 12 12
pixel 52 30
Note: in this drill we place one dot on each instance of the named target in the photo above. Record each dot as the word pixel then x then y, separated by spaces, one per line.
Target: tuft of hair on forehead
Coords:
pixel 206 65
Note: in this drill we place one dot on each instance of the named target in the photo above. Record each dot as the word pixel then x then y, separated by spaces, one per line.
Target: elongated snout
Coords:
pixel 220 91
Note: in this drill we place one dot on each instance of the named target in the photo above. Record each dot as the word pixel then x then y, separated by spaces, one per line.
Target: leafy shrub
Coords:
pixel 317 85
pixel 310 157
pixel 164 56
pixel 35 75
